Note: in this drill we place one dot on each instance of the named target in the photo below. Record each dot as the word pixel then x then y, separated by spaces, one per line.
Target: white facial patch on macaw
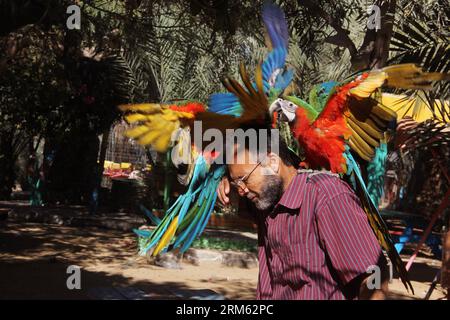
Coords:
pixel 285 108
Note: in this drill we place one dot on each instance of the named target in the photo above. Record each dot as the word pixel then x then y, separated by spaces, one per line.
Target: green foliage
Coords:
pixel 223 244
pixel 31 87
pixel 422 36
pixel 55 82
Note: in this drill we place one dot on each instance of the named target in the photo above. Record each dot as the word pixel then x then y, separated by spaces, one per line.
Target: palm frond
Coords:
pixel 428 134
pixel 416 42
pixel 419 41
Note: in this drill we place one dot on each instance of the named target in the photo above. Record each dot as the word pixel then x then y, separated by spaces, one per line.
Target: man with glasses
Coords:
pixel 314 240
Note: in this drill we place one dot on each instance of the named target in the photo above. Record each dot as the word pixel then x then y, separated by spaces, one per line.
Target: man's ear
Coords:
pixel 273 162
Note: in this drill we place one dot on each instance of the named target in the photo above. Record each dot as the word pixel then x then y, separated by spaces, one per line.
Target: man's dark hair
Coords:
pixel 286 155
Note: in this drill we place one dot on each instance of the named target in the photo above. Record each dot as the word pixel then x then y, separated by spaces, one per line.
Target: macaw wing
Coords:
pixel 225 103
pixel 239 99
pixel 188 216
pixel 253 99
pixel 155 123
pixel 353 116
pixel 367 117
pixel 273 68
pixel 368 121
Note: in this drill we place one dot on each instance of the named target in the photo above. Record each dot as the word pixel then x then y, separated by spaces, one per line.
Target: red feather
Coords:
pixel 324 139
pixel 191 107
pixel 274 119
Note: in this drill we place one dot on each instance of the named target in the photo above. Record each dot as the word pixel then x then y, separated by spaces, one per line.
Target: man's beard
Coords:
pixel 270 194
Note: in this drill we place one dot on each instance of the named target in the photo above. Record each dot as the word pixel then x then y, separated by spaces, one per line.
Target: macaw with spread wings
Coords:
pixel 164 125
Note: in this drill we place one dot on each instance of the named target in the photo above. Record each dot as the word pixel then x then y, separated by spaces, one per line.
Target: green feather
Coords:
pixel 311 113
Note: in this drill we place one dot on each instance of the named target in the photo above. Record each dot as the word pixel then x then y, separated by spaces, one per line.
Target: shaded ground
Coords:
pixel 34 259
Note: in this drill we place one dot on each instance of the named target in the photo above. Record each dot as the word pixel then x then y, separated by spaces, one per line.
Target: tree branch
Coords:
pixel 342 37
pixel 374 50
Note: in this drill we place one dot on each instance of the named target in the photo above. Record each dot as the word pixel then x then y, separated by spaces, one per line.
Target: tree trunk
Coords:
pixel 374 50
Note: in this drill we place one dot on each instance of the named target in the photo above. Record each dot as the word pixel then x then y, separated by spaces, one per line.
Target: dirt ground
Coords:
pixel 34 260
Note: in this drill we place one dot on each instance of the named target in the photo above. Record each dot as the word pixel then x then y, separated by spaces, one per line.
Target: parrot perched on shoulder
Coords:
pixel 347 117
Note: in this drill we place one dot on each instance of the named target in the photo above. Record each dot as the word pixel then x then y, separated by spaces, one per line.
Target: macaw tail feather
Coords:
pixel 150 215
pixel 187 217
pixel 376 222
pixel 375 174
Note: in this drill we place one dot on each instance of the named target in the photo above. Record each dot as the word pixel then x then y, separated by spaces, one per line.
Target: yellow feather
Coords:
pixel 246 79
pixel 149 138
pixel 134 117
pixel 162 142
pixel 410 76
pixel 168 117
pixel 187 115
pixel 259 79
pixel 154 129
pixel 168 235
pixel 374 81
pixel 137 131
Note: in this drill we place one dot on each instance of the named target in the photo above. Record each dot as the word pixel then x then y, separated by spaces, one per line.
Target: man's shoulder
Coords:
pixel 328 183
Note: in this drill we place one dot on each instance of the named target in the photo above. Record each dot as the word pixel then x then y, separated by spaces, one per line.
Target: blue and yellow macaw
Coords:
pixel 158 123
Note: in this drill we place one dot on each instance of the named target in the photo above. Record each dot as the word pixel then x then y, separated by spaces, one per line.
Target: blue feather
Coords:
pixel 283 80
pixel 142 233
pixel 275 23
pixel 150 215
pixel 375 173
pixel 208 195
pixel 352 167
pixel 225 103
pixel 326 87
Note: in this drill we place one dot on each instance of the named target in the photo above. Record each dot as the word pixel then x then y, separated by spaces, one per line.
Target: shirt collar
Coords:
pixel 293 196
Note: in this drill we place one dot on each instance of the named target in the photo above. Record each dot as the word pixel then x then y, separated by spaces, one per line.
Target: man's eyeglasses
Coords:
pixel 240 183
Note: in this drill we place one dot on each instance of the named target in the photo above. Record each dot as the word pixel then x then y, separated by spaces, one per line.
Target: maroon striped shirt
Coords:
pixel 316 243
